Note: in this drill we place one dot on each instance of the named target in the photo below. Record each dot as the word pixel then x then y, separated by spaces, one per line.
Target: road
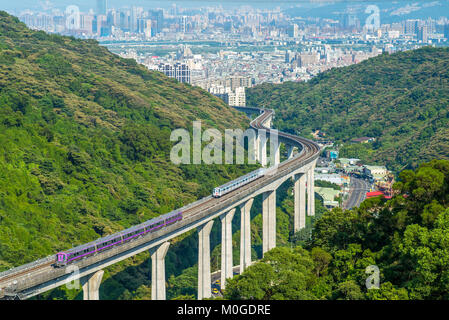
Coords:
pixel 216 281
pixel 358 190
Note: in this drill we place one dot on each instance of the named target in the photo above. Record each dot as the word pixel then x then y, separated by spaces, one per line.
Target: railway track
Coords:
pixel 309 150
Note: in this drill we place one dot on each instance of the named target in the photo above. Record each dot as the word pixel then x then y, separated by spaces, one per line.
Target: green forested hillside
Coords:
pixel 85 144
pixel 405 239
pixel 401 99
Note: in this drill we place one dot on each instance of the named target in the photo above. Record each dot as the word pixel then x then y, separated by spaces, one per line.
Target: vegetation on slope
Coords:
pixel 400 99
pixel 85 146
pixel 405 237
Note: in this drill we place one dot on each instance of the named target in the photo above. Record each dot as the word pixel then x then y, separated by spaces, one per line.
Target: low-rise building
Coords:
pixel 363 140
pixel 331 177
pixel 379 173
pixel 329 195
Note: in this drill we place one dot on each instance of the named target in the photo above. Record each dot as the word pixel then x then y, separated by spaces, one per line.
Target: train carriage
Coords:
pixel 66 257
pixel 230 186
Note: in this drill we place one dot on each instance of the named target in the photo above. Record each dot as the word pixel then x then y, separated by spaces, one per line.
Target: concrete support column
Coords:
pixel 204 278
pixel 269 221
pixel 91 285
pixel 257 147
pixel 262 137
pixel 289 151
pixel 311 192
pixel 299 194
pixel 268 123
pixel 158 271
pixel 275 148
pixel 245 235
pixel 226 247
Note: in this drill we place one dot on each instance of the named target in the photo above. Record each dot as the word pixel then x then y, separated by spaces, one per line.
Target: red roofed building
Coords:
pixel 374 194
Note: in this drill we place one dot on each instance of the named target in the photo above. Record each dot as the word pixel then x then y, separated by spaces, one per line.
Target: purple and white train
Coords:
pixel 66 257
pixel 235 184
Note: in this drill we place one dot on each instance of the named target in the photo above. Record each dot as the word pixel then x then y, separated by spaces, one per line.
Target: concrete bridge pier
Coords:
pixel 269 123
pixel 158 271
pixel 299 193
pixel 91 285
pixel 289 151
pixel 245 235
pixel 262 138
pixel 226 247
pixel 257 147
pixel 311 191
pixel 275 148
pixel 204 278
pixel 269 220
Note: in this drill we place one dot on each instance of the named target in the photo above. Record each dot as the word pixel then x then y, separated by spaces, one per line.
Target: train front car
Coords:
pixel 235 184
pixel 61 259
pixel 216 193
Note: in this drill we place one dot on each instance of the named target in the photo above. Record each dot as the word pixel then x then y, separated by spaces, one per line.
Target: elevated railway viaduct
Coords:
pixel 37 277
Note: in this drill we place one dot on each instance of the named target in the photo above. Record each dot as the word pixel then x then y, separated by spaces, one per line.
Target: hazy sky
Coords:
pixel 86 4
pixel 391 10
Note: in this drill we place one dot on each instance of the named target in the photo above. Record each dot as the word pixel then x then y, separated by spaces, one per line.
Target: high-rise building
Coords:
pixel 307 58
pixel 124 20
pixel 145 26
pixel 102 7
pixel 149 29
pixel 237 82
pixel 133 19
pixel 158 17
pixel 102 29
pixel 183 24
pixel 411 26
pixel 237 98
pixel 113 18
pixel 86 24
pixel 349 20
pixel 446 31
pixel 180 71
pixel 293 31
pixel 422 34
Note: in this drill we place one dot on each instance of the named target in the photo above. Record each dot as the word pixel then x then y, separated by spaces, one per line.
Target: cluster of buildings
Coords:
pixel 339 171
pixel 191 68
pixel 251 44
pixel 223 72
pixel 101 22
pixel 245 23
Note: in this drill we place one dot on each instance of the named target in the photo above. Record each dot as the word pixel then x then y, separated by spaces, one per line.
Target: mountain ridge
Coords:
pixel 400 99
pixel 85 142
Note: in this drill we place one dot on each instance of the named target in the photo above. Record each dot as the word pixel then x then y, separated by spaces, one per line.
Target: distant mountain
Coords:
pixel 401 99
pixel 390 11
pixel 85 142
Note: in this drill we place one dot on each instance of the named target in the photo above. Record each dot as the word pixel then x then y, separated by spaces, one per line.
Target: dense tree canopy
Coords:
pixel 400 99
pixel 85 150
pixel 406 238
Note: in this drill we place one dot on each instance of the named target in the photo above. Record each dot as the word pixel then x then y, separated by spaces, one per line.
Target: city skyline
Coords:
pixel 214 45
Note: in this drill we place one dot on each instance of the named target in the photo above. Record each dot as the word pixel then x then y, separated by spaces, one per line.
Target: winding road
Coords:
pixel 358 190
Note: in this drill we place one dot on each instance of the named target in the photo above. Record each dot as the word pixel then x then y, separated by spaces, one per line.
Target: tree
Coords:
pixel 283 274
pixel 387 292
